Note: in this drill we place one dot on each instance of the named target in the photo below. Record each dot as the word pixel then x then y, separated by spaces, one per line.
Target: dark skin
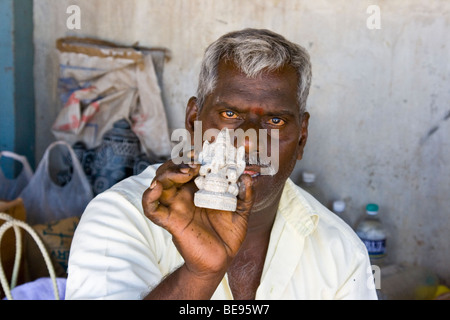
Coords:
pixel 214 242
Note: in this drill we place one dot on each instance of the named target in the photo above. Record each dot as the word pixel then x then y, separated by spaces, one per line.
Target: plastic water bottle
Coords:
pixel 308 184
pixel 371 231
pixel 338 207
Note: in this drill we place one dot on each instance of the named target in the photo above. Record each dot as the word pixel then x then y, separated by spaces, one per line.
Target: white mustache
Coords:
pixel 255 159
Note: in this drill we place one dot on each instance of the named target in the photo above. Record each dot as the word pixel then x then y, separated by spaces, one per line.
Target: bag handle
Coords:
pixel 93 47
pixel 11 222
pixel 77 168
pixel 97 48
pixel 22 159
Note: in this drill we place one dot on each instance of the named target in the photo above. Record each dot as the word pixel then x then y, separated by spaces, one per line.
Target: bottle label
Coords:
pixel 376 248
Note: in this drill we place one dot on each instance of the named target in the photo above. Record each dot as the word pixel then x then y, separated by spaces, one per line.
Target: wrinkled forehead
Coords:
pixel 228 68
pixel 277 86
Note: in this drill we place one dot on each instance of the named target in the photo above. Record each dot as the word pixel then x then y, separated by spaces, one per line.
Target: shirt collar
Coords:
pixel 296 210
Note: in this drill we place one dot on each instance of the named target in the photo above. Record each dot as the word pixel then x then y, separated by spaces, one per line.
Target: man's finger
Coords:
pixel 246 194
pixel 153 209
pixel 177 175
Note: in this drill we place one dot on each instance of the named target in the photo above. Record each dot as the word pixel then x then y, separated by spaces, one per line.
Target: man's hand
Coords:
pixel 207 239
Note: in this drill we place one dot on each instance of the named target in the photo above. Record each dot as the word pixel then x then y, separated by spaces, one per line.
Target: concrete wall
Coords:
pixel 379 103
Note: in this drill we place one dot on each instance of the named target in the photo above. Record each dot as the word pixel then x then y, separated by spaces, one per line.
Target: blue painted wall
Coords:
pixel 17 115
pixel 7 114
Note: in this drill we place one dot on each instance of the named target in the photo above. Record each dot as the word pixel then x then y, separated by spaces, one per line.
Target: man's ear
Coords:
pixel 303 135
pixel 191 115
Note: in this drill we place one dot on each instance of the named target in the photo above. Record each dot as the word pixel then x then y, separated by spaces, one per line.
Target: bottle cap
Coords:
pixel 372 209
pixel 308 177
pixel 338 206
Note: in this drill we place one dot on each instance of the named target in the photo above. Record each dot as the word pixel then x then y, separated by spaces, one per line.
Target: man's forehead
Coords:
pixel 228 68
pixel 269 87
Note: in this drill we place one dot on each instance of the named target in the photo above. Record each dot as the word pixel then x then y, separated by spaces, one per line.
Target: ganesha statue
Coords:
pixel 221 166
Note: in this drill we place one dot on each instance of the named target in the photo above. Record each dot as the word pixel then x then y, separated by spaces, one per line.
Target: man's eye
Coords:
pixel 229 115
pixel 276 121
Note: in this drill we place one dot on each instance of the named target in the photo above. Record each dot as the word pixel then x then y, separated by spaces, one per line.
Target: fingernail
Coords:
pixel 184 170
pixel 153 185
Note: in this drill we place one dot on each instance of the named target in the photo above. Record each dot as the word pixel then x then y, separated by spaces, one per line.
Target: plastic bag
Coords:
pixel 11 188
pixel 101 83
pixel 59 188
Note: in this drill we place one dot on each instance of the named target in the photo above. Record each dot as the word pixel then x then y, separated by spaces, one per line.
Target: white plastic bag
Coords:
pixel 10 189
pixel 59 188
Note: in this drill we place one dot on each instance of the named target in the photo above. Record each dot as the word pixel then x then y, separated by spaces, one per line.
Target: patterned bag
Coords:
pixel 101 83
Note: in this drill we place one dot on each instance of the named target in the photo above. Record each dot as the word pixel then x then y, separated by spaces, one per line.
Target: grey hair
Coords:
pixel 254 51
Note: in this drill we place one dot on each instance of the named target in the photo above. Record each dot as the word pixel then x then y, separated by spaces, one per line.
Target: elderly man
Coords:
pixel 145 238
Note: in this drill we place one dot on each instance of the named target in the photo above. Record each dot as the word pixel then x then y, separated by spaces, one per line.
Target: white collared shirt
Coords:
pixel 117 253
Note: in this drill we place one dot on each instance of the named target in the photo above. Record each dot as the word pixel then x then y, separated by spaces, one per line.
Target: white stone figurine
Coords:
pixel 221 166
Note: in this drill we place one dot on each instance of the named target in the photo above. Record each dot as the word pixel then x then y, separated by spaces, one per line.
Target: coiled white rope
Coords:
pixel 14 223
